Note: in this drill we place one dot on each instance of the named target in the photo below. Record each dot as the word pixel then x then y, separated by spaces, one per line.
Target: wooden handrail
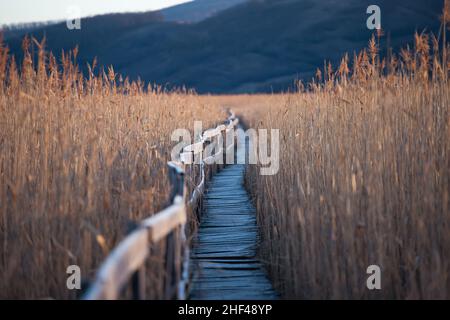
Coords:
pixel 160 225
pixel 119 266
pixel 127 260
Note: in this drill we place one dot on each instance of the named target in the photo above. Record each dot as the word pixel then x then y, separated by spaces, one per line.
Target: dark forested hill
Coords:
pixel 256 46
pixel 197 10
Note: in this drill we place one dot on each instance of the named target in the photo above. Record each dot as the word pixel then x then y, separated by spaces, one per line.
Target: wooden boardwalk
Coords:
pixel 224 253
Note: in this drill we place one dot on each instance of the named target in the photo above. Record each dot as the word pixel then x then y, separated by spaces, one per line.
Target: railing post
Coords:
pixel 174 256
pixel 170 266
pixel 138 277
pixel 138 284
pixel 224 149
pixel 176 176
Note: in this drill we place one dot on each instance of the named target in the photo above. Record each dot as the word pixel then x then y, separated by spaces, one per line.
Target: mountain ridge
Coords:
pixel 198 10
pixel 256 46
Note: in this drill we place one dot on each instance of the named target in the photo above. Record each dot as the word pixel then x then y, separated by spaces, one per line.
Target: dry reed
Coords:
pixel 364 178
pixel 81 160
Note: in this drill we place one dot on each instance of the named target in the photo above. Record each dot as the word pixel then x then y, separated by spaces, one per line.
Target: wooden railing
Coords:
pixel 126 263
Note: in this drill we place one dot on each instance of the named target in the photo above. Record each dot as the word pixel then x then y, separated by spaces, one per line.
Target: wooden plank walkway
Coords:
pixel 224 253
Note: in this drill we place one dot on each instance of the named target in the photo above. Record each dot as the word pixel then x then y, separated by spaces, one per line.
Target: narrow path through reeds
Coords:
pixel 224 254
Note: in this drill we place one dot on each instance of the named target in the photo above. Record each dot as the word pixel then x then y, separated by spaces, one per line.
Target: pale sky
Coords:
pixel 20 11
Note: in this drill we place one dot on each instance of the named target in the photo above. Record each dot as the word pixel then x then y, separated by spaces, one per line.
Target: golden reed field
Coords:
pixel 364 178
pixel 364 171
pixel 80 160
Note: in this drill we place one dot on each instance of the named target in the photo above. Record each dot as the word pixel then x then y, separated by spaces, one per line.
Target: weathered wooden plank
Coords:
pixel 161 224
pixel 224 250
